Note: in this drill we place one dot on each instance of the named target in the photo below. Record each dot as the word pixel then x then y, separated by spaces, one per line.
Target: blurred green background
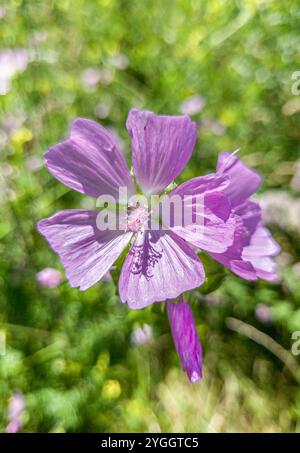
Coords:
pixel 78 357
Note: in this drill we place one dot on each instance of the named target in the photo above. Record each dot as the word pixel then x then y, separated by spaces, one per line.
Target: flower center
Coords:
pixel 137 216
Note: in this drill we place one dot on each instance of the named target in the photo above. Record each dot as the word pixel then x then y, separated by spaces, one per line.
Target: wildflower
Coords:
pixel 281 209
pixel 90 78
pixel 11 62
pixel 192 105
pixel 186 338
pixel 214 126
pixel 161 264
pixel 21 137
pixel 15 413
pixel 49 277
pixel 111 389
pixel 263 313
pixel 119 61
pixel 34 163
pixel 141 335
pixel 103 108
pixel 13 122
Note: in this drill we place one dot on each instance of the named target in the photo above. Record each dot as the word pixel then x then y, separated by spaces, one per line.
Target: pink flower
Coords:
pixel 263 313
pixel 161 263
pixel 49 277
pixel 15 413
pixel 192 105
pixel 90 78
pixel 11 62
pixel 141 335
pixel 119 61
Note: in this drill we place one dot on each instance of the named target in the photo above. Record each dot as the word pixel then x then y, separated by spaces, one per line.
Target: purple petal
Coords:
pixel 250 212
pixel 209 188
pixel 210 225
pixel 159 266
pixel 262 247
pixel 258 245
pixel 262 243
pixel 85 252
pixel 214 236
pixel 243 180
pixel 90 161
pixel 232 257
pixel 251 254
pixel 186 338
pixel 161 147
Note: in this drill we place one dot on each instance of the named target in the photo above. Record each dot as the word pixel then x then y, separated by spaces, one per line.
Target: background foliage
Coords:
pixel 71 353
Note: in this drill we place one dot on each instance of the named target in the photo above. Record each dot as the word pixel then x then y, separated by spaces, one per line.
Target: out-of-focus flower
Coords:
pixel 103 108
pixel 13 122
pixel 49 277
pixel 15 413
pixel 111 389
pixel 90 78
pixel 185 338
pixel 11 63
pixel 214 126
pixel 34 163
pixel 10 124
pixel 2 12
pixel 141 335
pixel 192 105
pixel 119 61
pixel 21 137
pixel 263 313
pixel 281 209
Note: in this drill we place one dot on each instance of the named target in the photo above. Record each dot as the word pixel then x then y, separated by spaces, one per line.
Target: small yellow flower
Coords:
pixel 111 389
pixel 20 137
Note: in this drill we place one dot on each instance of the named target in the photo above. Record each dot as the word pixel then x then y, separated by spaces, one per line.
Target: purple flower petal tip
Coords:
pixel 195 377
pixel 185 338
